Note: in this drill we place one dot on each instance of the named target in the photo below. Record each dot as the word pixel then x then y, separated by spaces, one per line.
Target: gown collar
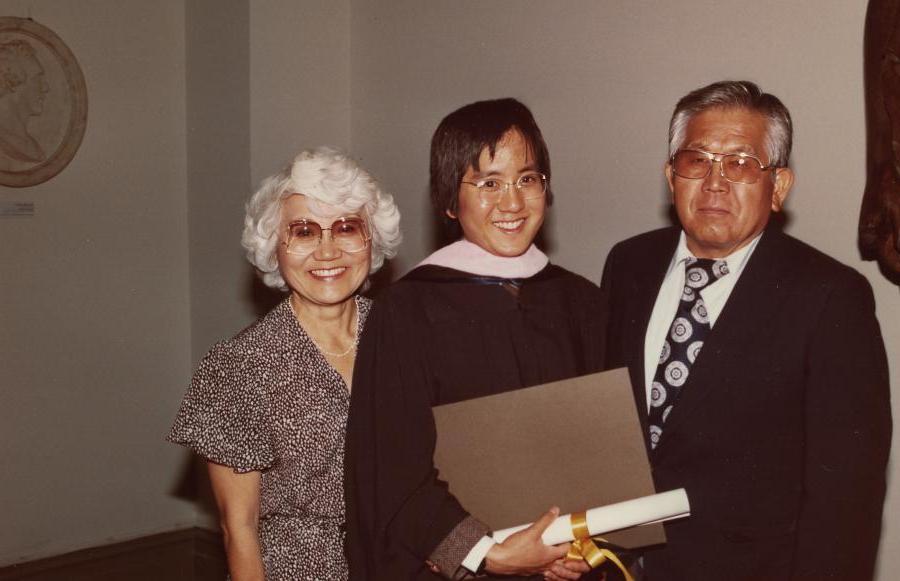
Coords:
pixel 465 256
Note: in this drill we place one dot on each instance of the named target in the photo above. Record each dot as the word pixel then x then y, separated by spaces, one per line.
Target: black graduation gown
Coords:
pixel 438 336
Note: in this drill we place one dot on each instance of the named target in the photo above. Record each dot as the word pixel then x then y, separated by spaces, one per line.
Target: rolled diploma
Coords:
pixel 612 517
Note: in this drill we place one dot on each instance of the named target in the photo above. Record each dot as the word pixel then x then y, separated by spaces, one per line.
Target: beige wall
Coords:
pixel 131 267
pixel 217 76
pixel 94 318
pixel 102 320
pixel 299 78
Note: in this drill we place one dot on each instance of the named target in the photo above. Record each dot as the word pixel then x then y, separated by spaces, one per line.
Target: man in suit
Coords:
pixel 757 362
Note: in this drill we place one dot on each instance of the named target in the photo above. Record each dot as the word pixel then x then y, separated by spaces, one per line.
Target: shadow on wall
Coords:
pixel 262 298
pixel 193 485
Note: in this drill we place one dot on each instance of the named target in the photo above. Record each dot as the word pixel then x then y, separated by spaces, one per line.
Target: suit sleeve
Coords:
pixel 612 344
pixel 848 434
pixel 398 510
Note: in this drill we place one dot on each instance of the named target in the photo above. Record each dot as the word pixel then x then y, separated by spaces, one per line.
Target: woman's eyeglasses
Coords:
pixel 349 234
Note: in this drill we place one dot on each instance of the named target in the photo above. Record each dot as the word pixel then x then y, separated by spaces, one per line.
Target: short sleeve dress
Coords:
pixel 268 400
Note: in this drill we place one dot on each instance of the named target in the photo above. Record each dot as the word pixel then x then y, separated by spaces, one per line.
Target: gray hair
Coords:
pixel 736 95
pixel 327 175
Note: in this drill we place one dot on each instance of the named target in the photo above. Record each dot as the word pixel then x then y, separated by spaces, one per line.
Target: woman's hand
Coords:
pixel 525 554
pixel 237 496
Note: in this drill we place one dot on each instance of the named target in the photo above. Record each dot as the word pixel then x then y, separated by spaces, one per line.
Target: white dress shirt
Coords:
pixel 473 560
pixel 714 297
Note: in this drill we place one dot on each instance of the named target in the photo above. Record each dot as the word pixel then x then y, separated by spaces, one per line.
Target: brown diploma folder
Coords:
pixel 575 444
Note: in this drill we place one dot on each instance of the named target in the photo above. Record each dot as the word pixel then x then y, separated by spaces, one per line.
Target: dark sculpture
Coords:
pixel 879 220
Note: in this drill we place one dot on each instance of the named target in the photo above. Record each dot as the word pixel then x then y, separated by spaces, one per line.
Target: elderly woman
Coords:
pixel 267 408
pixel 486 314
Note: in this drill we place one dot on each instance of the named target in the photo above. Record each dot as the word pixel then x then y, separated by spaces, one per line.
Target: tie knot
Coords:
pixel 701 272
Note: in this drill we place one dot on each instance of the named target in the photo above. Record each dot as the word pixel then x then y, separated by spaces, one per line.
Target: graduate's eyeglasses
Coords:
pixel 530 184
pixel 349 234
pixel 738 168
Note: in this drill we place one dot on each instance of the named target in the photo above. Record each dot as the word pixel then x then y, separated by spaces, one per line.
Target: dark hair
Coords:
pixel 736 95
pixel 462 135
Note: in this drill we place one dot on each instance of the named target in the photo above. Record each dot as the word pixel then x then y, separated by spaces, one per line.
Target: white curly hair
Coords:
pixel 327 175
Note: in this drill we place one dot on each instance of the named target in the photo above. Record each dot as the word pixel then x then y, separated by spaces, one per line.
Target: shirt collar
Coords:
pixel 736 261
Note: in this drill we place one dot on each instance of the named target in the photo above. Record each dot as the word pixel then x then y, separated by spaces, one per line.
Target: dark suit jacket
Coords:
pixel 781 434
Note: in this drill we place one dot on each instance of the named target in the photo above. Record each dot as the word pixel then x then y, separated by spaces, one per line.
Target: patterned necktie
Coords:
pixel 683 342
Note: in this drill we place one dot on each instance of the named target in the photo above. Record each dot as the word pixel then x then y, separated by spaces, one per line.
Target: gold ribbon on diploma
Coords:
pixel 584 547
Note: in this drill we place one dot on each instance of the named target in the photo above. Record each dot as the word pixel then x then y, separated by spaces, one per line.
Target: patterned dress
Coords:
pixel 268 400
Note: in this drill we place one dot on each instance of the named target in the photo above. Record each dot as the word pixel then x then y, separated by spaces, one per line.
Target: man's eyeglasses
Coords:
pixel 738 168
pixel 349 234
pixel 530 184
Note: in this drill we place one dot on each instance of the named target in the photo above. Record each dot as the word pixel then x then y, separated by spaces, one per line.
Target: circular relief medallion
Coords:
pixel 43 103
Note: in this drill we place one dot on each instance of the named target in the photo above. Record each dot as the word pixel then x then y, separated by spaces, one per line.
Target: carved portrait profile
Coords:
pixel 43 103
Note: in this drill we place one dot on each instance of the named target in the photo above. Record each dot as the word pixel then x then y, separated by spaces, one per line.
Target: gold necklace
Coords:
pixel 352 346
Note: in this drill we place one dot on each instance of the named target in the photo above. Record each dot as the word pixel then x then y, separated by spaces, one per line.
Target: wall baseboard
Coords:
pixel 187 555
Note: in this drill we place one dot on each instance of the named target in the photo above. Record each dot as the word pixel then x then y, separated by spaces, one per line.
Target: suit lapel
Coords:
pixel 640 300
pixel 760 290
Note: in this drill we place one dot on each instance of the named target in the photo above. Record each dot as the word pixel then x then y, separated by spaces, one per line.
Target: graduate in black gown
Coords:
pixel 484 315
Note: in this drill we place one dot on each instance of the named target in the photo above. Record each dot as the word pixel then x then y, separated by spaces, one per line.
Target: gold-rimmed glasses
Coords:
pixel 348 233
pixel 738 168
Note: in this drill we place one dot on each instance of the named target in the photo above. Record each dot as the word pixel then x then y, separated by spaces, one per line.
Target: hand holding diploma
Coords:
pixel 561 531
pixel 524 553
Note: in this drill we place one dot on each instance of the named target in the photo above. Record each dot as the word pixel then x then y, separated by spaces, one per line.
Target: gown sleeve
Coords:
pixel 224 414
pixel 397 508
